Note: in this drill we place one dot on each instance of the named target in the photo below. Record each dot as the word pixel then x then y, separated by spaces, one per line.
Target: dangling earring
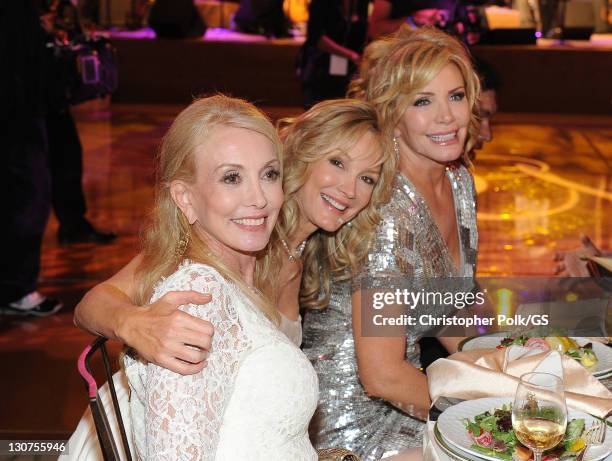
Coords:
pixel 396 148
pixel 182 244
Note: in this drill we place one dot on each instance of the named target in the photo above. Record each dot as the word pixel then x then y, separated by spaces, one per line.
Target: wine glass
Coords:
pixel 539 414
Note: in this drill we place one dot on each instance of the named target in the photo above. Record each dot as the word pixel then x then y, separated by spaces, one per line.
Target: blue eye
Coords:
pixel 421 102
pixel 336 162
pixel 232 177
pixel 272 174
pixel 458 96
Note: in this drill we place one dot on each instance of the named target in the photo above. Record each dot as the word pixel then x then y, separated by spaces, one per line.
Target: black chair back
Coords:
pixel 103 429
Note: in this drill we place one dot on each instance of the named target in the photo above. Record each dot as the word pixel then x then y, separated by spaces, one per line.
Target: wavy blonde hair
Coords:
pixel 314 136
pixel 397 67
pixel 176 161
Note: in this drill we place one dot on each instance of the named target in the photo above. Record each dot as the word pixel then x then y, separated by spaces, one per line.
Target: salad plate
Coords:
pixel 454 433
pixel 602 368
pixel 453 452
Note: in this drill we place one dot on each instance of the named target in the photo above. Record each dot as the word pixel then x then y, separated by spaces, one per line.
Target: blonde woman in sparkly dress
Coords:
pixel 423 85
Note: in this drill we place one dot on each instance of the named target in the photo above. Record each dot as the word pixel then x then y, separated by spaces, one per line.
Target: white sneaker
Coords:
pixel 33 304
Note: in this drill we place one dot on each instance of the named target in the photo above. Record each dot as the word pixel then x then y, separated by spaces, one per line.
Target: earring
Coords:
pixel 396 148
pixel 182 244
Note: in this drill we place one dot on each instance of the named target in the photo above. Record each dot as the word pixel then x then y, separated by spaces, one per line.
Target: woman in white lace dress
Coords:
pixel 336 172
pixel 218 195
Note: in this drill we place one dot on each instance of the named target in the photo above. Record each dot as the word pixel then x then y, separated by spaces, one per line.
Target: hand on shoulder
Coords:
pixel 166 336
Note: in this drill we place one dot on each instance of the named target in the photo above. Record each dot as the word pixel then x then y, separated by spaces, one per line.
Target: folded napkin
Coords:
pixel 495 373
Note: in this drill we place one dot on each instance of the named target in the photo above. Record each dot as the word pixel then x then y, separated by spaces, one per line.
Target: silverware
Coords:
pixel 595 435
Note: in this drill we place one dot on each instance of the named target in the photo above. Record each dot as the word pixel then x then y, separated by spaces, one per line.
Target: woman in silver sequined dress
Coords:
pixel 373 397
pixel 337 172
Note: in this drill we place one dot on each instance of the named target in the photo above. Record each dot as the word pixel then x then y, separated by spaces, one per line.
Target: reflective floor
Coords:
pixel 542 182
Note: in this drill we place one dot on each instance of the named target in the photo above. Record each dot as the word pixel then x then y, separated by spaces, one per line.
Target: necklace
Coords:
pixel 295 254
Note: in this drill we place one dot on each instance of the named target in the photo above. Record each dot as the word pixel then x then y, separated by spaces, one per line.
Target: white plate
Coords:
pixel 452 451
pixel 603 352
pixel 456 454
pixel 453 431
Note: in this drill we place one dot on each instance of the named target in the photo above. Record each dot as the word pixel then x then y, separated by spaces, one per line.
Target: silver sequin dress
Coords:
pixel 407 242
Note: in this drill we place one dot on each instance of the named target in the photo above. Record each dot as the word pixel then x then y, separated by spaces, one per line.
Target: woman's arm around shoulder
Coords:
pixel 158 332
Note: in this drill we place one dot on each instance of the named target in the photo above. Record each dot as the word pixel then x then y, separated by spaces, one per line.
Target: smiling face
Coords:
pixel 340 185
pixel 237 192
pixel 434 127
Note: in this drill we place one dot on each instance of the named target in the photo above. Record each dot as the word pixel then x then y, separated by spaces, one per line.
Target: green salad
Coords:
pixel 565 345
pixel 493 435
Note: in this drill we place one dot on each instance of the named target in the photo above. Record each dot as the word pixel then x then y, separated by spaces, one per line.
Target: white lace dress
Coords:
pixel 253 400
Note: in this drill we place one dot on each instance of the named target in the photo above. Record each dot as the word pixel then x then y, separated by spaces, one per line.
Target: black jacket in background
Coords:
pixel 23 61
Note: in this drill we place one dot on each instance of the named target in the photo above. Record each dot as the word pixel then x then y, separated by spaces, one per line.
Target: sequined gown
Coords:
pixel 407 243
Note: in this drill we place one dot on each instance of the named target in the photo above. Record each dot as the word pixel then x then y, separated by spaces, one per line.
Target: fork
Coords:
pixel 595 435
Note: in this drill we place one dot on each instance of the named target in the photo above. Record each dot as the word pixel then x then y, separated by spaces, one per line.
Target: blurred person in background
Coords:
pixel 61 23
pixel 487 104
pixel 462 19
pixel 263 17
pixel 25 173
pixel 176 19
pixel 388 15
pixel 337 31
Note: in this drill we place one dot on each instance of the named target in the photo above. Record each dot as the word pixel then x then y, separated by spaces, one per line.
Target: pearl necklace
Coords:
pixel 295 254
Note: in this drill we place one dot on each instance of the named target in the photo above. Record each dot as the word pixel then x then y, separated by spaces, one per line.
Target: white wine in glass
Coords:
pixel 539 414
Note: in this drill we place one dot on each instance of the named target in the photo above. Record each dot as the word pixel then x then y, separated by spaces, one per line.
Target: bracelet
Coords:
pixel 337 454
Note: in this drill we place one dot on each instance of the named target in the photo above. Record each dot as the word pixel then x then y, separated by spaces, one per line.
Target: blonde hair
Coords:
pixel 176 161
pixel 397 67
pixel 315 135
